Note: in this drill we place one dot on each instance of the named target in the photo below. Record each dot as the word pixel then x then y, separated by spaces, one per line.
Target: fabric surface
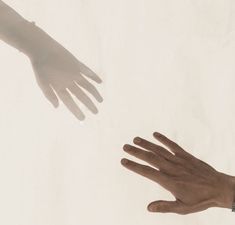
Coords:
pixel 166 66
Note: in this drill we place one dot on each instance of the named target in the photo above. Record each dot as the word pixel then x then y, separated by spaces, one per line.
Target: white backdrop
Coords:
pixel 166 66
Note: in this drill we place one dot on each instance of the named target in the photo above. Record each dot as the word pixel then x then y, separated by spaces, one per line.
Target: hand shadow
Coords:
pixel 60 75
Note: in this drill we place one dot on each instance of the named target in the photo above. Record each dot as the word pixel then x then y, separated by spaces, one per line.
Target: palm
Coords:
pixel 59 74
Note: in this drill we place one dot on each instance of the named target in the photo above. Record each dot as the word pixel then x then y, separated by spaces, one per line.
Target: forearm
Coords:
pixel 12 27
pixel 20 33
pixel 9 14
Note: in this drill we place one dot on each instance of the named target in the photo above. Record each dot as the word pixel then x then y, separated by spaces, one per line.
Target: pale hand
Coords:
pixel 59 74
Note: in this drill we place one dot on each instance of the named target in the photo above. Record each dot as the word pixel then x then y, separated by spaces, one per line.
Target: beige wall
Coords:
pixel 167 66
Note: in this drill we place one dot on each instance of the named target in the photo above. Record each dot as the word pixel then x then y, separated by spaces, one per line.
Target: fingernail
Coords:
pixel 157 134
pixel 151 208
pixel 137 140
pixel 124 161
pixel 126 147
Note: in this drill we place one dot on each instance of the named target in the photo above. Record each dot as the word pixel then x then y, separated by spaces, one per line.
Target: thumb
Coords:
pixel 50 95
pixel 167 206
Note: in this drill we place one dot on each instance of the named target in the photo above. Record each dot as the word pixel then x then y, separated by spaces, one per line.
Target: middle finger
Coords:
pixel 157 149
pixel 151 158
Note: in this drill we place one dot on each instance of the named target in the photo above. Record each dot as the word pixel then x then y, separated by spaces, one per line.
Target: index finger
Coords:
pixel 148 172
pixel 89 73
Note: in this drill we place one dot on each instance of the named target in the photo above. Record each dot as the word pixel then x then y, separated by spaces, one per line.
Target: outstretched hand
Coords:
pixel 59 74
pixel 195 184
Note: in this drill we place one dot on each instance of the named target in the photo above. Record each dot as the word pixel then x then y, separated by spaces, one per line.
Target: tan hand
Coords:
pixel 195 185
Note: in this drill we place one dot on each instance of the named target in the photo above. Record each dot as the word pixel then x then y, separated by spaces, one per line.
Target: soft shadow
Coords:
pixel 59 74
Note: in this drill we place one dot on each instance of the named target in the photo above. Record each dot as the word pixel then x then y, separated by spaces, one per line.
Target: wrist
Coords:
pixel 233 188
pixel 13 28
pixel 27 38
pixel 8 16
pixel 226 190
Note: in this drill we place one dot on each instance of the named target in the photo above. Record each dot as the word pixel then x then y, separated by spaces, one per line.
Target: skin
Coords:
pixel 195 185
pixel 59 74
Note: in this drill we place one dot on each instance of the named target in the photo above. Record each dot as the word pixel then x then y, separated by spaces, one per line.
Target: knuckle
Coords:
pixel 150 156
pixel 179 183
pixel 152 146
